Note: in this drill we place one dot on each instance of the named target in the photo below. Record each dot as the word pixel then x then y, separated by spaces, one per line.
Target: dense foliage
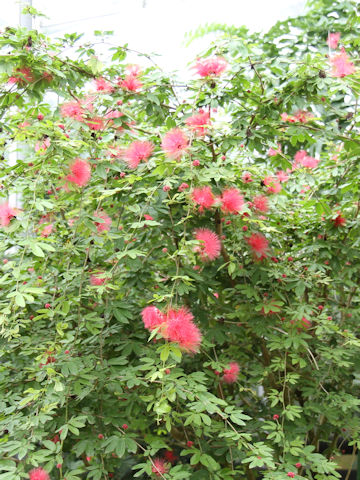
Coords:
pixel 229 207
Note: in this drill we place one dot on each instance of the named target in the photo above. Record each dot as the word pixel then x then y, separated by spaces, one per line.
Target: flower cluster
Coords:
pixel 230 200
pixel 211 67
pixel 174 325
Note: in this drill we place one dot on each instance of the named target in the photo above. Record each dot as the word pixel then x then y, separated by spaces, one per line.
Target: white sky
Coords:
pixel 154 25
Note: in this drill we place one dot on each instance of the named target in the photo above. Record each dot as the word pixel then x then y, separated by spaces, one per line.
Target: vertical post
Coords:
pixel 25 20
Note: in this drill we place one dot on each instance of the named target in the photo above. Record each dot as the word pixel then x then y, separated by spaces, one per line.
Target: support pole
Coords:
pixel 25 20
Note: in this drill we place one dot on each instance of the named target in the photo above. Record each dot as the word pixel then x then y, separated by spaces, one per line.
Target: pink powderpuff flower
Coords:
pixel 130 83
pixel 272 184
pixel 45 218
pixel 105 225
pixel 87 103
pixel 303 116
pixel 287 118
pixel 231 201
pixel 310 162
pixel 302 158
pixel 231 374
pixel 47 230
pixel 258 244
pixel 261 203
pixel 134 70
pixel 38 474
pixel 80 172
pixel 115 151
pixel 246 178
pixel 6 214
pixel 199 122
pixel 148 217
pixel 103 85
pixel 41 147
pixel 210 67
pixel 339 221
pixel 272 152
pixel 203 196
pixel 180 328
pixel 72 110
pixel 137 152
pixel 71 221
pixel 97 281
pixel 152 317
pixel 341 65
pixel 110 115
pixel 333 40
pixel 282 176
pixel 210 245
pixel 275 187
pixel 114 114
pixel 305 323
pixel 182 187
pixel 22 75
pixel 175 143
pixel 47 76
pixel 95 123
pixel 24 124
pixel 159 467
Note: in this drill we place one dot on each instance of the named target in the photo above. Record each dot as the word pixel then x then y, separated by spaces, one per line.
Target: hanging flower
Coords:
pixel 159 467
pixel 38 474
pixel 97 279
pixel 231 200
pixel 341 65
pixel 302 158
pixel 22 75
pixel 105 225
pixel 152 317
pixel 134 70
pixel 231 374
pixel 6 214
pixel 247 178
pixel 72 110
pixel 333 40
pixel 301 116
pixel 80 172
pixel 41 147
pixel 261 203
pixel 199 122
pixel 180 328
pixel 203 196
pixel 175 143
pixel 282 176
pixel 137 152
pixel 272 184
pixel 131 83
pixel 272 152
pixel 210 245
pixel 47 230
pixel 95 123
pixel 258 244
pixel 103 85
pixel 210 67
pixel 339 221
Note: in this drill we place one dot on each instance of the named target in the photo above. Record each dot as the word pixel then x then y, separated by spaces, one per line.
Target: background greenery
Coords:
pixel 82 387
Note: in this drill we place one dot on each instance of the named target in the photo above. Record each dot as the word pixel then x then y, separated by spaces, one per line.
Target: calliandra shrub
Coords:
pixel 170 285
